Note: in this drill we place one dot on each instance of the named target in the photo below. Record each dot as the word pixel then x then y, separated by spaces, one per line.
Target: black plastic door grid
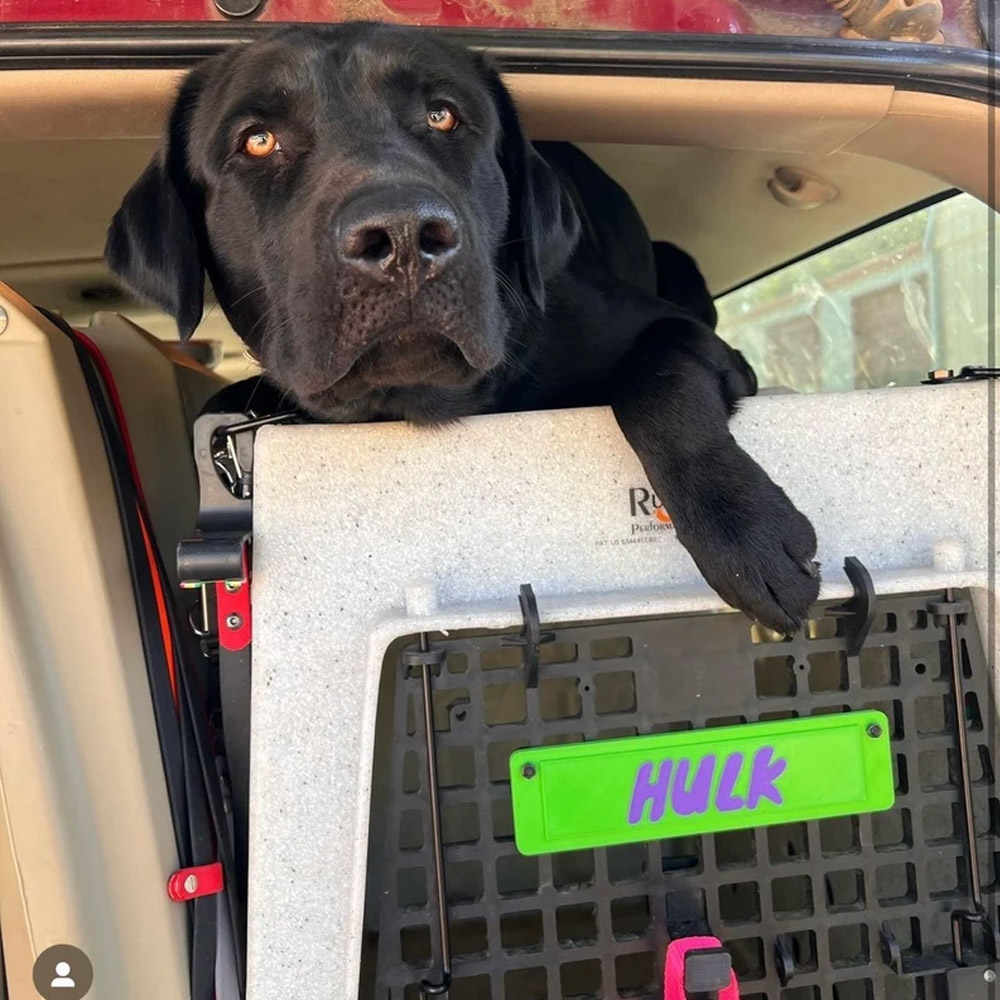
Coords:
pixel 596 923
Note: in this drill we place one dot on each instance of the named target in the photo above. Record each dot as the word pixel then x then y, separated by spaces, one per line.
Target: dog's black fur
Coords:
pixel 382 269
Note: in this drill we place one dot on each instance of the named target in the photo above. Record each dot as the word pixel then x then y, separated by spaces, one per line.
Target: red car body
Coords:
pixel 773 17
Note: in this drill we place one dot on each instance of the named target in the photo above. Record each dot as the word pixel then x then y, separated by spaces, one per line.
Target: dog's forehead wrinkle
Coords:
pixel 283 87
pixel 348 112
pixel 406 65
pixel 271 67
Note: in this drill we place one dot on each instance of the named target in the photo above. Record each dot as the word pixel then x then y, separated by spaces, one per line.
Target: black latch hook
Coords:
pixel 532 638
pixel 859 610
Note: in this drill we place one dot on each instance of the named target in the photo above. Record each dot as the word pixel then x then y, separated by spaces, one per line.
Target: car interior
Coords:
pixel 719 143
pixel 761 181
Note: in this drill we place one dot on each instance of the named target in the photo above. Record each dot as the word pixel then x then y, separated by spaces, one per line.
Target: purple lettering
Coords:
pixel 763 775
pixel 648 790
pixel 690 801
pixel 725 800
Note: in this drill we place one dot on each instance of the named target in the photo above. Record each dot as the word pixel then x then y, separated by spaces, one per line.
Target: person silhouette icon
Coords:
pixel 62 980
pixel 62 972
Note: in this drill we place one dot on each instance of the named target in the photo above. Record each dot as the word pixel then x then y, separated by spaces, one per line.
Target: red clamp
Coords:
pixel 191 883
pixel 232 602
pixel 716 969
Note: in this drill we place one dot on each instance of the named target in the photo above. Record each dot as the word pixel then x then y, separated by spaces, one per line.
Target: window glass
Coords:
pixel 879 309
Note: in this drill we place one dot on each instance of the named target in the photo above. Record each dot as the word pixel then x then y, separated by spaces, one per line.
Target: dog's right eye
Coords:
pixel 260 144
pixel 441 118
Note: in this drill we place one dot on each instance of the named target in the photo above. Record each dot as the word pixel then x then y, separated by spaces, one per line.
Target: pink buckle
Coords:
pixel 673 977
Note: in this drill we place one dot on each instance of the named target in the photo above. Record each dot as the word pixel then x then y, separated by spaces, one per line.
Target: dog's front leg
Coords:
pixel 673 395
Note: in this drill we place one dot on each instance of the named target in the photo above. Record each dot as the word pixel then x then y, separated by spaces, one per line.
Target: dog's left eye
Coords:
pixel 261 144
pixel 441 118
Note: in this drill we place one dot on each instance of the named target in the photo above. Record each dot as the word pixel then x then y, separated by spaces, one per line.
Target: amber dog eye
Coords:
pixel 442 119
pixel 261 144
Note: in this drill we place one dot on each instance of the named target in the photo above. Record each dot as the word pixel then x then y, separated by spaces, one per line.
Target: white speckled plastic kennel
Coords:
pixel 367 533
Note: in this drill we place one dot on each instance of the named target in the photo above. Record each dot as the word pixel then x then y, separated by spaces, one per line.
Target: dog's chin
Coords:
pixel 391 377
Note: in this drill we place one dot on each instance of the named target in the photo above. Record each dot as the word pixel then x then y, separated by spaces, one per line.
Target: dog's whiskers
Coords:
pixel 253 291
pixel 510 292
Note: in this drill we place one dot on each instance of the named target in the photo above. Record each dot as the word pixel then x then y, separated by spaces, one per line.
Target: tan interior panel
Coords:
pixel 948 138
pixel 88 840
pixel 85 104
pixel 796 117
pixel 59 195
pixel 715 202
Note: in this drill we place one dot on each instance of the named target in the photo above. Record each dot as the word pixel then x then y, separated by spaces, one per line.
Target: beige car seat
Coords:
pixel 86 838
pixel 161 392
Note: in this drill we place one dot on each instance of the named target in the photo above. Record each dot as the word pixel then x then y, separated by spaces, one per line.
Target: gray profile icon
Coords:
pixel 62 980
pixel 63 972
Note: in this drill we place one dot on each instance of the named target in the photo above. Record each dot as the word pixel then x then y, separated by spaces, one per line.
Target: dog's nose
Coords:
pixel 412 231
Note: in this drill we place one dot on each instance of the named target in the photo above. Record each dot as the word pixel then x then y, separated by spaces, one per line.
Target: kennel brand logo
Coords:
pixel 648 520
pixel 648 514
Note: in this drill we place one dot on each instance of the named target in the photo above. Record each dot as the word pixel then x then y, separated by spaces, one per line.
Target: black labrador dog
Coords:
pixel 387 242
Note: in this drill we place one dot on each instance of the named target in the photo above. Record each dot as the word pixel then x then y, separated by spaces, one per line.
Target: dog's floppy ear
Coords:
pixel 152 245
pixel 542 226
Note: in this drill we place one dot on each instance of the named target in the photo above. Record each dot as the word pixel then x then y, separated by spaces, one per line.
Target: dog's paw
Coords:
pixel 751 543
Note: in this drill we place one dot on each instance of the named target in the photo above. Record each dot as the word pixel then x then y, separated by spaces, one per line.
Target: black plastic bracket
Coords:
pixel 223 454
pixel 415 660
pixel 205 558
pixel 963 925
pixel 968 373
pixel 230 447
pixel 859 610
pixel 906 965
pixel 784 957
pixel 532 638
pixel 891 952
pixel 941 610
pixel 972 983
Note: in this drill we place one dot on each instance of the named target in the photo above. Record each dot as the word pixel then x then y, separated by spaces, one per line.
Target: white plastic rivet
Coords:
pixel 421 599
pixel 949 555
pixel 191 884
pixel 990 976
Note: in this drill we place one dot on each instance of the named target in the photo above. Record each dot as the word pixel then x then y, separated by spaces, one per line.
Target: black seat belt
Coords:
pixel 196 803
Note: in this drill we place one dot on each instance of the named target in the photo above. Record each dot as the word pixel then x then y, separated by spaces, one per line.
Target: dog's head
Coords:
pixel 367 208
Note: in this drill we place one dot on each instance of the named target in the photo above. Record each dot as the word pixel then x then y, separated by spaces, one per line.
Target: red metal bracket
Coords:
pixel 191 883
pixel 673 977
pixel 232 602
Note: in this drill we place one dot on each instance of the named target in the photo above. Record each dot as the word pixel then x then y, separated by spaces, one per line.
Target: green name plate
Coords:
pixel 579 795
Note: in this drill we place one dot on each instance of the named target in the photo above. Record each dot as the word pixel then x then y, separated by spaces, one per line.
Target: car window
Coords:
pixel 881 308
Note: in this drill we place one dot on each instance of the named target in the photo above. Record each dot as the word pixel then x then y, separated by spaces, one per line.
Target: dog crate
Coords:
pixel 387 559
pixel 843 909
